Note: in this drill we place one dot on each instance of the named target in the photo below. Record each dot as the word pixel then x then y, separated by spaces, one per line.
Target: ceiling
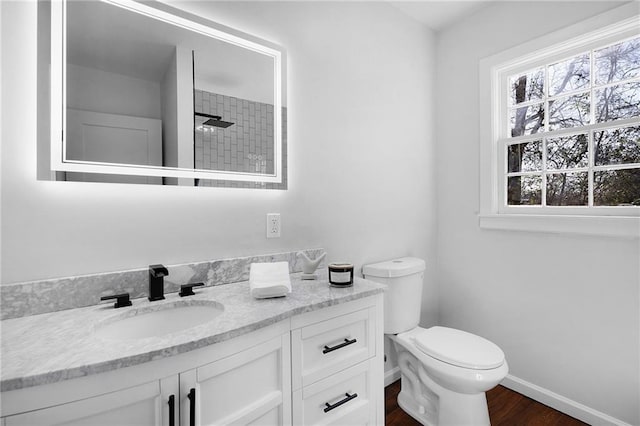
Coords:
pixel 105 37
pixel 439 14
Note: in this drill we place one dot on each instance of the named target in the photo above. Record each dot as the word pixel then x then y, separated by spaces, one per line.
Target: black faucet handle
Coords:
pixel 187 289
pixel 122 300
pixel 158 271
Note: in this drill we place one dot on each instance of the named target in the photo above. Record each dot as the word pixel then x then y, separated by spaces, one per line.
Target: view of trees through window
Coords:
pixel 586 112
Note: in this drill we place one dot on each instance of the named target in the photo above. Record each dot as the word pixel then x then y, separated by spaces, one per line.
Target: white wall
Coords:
pixel 565 309
pixel 360 145
pixel 184 101
pixel 95 90
pixel 177 113
pixel 168 88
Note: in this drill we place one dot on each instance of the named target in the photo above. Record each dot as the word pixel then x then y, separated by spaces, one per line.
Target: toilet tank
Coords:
pixel 403 298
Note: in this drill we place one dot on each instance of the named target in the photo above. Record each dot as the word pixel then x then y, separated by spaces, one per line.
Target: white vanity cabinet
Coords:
pixel 136 405
pixel 247 380
pixel 250 387
pixel 337 365
pixel 283 374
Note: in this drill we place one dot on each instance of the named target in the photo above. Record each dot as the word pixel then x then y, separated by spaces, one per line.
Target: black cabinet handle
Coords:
pixel 339 403
pixel 192 407
pixel 346 342
pixel 172 410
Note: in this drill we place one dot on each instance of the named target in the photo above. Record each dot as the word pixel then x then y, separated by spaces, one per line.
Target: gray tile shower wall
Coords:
pixel 247 146
pixel 38 297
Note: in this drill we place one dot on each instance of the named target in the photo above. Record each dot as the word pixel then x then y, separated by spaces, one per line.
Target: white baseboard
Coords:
pixel 391 376
pixel 560 403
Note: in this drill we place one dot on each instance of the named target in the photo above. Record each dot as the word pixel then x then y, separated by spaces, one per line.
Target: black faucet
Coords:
pixel 156 281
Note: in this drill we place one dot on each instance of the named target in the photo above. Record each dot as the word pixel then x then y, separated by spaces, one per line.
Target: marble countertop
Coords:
pixel 62 345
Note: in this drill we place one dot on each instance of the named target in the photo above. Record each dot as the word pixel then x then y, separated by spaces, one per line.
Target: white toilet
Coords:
pixel 445 372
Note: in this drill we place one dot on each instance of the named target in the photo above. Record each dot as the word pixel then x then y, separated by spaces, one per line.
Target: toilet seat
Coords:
pixel 459 348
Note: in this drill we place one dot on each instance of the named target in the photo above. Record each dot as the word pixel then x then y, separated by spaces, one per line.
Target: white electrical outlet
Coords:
pixel 273 225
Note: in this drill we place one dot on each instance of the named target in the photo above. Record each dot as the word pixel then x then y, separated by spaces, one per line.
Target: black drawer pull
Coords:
pixel 172 410
pixel 346 342
pixel 192 407
pixel 339 403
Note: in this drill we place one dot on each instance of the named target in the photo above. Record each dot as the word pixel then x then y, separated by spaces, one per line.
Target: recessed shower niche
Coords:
pixel 146 93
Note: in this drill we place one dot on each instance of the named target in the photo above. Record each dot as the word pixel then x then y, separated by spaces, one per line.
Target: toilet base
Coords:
pixel 410 406
pixel 433 405
pixel 415 398
pixel 446 409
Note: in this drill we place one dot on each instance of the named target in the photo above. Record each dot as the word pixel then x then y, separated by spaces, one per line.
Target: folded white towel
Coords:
pixel 269 280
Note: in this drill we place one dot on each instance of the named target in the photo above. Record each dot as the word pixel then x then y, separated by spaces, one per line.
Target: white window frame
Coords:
pixel 617 24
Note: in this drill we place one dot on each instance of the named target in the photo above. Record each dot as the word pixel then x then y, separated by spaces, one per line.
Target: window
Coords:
pixel 560 130
pixel 573 130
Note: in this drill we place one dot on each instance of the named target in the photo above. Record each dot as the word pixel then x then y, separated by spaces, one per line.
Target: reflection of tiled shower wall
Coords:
pixel 246 146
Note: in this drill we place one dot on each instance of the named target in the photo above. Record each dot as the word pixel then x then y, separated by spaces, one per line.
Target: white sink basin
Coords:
pixel 159 320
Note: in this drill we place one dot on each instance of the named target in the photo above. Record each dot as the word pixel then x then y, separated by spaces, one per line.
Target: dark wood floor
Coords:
pixel 506 408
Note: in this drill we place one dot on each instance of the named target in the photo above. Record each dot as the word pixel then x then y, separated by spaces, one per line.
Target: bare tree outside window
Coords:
pixel 599 86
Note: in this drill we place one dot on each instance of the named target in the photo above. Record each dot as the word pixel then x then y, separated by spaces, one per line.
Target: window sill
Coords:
pixel 609 226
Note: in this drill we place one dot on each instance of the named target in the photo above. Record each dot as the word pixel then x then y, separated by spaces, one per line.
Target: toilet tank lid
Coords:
pixel 394 268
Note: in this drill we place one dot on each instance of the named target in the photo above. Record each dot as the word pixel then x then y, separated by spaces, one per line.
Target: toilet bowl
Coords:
pixel 453 379
pixel 444 372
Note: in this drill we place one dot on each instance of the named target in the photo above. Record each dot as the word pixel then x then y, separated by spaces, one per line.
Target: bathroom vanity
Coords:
pixel 313 357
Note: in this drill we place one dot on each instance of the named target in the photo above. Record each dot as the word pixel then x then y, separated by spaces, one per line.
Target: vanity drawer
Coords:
pixel 345 398
pixel 327 347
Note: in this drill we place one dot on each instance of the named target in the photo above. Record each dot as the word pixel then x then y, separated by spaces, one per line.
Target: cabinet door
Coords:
pixel 145 404
pixel 250 387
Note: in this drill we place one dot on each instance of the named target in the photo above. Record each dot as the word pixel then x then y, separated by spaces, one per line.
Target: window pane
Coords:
pixel 569 75
pixel 569 111
pixel 568 152
pixel 527 120
pixel 620 101
pixel 524 157
pixel 528 86
pixel 524 190
pixel 617 146
pixel 617 187
pixel 618 62
pixel 567 189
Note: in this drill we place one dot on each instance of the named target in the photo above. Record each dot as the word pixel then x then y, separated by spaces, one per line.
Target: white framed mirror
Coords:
pixel 145 93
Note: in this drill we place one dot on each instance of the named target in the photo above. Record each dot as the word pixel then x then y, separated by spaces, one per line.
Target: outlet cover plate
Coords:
pixel 273 225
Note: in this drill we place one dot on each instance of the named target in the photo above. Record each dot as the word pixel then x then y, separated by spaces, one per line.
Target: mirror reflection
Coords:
pixel 233 110
pixel 147 95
